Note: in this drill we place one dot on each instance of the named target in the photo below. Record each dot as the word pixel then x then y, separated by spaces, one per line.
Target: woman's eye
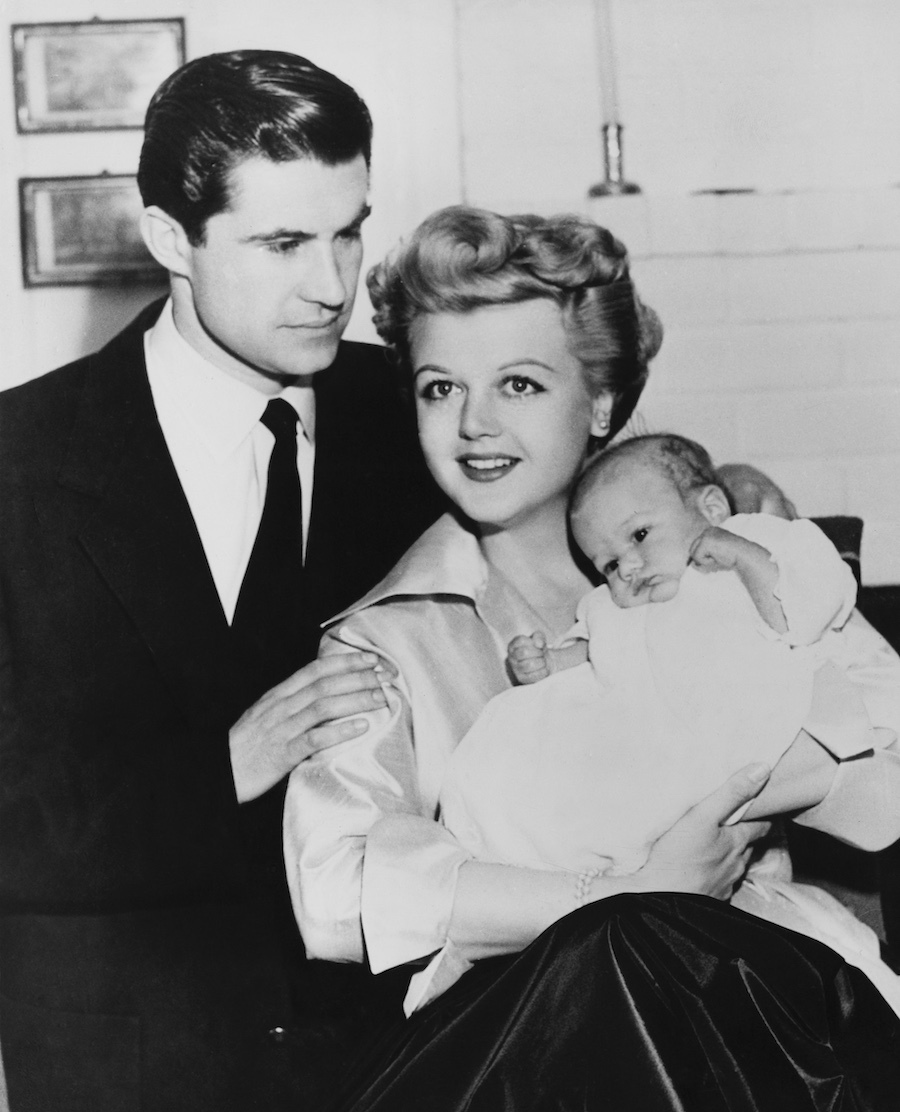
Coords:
pixel 436 389
pixel 640 535
pixel 521 387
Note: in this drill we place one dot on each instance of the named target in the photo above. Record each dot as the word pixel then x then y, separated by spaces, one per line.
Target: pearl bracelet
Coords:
pixel 583 886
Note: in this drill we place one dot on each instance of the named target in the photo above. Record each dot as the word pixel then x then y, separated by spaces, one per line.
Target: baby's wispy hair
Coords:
pixel 685 463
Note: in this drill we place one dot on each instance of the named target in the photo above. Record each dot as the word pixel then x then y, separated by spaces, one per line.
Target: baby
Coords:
pixel 650 508
pixel 715 639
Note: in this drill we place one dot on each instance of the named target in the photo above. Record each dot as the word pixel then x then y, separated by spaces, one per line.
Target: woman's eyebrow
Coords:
pixel 526 361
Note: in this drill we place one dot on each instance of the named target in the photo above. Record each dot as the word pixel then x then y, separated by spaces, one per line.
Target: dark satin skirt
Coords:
pixel 650 1003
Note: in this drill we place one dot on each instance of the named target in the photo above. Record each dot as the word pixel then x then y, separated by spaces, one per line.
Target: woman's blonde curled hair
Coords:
pixel 463 258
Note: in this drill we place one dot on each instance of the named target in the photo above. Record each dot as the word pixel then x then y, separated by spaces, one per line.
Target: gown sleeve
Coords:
pixel 816 588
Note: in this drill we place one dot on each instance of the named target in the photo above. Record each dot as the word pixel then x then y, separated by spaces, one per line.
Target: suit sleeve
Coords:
pixel 108 796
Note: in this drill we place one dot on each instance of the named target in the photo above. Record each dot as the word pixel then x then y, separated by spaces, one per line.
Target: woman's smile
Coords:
pixel 503 406
pixel 486 469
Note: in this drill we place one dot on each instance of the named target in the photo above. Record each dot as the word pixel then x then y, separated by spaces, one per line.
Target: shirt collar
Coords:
pixel 445 560
pixel 221 410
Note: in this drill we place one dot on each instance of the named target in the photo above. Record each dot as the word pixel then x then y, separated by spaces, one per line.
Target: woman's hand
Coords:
pixel 699 854
pixel 753 492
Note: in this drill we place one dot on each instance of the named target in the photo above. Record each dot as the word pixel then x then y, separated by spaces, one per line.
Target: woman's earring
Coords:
pixel 603 426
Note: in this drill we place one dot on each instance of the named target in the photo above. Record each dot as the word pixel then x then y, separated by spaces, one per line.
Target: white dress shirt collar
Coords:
pixel 221 410
pixel 221 449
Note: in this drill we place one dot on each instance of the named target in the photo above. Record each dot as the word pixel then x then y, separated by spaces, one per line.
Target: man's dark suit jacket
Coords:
pixel 147 959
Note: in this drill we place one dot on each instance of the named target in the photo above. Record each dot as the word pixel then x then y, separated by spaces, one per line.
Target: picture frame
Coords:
pixel 83 231
pixel 91 76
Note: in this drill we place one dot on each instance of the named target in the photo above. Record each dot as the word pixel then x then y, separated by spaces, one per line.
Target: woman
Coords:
pixel 526 343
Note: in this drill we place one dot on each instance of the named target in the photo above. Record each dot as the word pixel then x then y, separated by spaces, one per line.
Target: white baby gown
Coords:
pixel 586 769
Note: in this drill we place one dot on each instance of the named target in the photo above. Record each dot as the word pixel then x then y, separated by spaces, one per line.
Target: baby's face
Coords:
pixel 635 529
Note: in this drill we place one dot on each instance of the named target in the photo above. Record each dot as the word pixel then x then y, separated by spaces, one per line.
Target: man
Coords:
pixel 155 666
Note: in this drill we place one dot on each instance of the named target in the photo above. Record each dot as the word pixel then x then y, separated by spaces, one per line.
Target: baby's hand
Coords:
pixel 715 550
pixel 527 658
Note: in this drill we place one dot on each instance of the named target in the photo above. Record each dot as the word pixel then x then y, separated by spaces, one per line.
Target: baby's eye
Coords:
pixel 609 568
pixel 640 535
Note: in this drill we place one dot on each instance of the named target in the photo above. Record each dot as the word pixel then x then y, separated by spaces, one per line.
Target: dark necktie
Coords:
pixel 271 638
pixel 269 612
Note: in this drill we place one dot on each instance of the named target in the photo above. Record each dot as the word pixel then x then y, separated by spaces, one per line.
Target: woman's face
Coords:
pixel 504 411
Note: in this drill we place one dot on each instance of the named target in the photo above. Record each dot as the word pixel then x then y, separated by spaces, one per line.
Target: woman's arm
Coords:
pixel 861 806
pixel 801 779
pixel 854 800
pixel 366 858
pixel 500 909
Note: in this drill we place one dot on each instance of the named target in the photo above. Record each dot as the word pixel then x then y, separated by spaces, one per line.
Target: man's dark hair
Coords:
pixel 217 111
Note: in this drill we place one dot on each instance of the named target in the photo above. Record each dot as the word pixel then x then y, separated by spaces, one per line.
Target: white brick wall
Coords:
pixel 780 303
pixel 780 298
pixel 782 349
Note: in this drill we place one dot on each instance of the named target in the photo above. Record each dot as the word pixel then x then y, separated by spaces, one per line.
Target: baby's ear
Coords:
pixel 712 502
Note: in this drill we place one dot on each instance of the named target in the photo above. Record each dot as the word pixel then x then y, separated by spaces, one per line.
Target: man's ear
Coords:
pixel 601 412
pixel 712 503
pixel 166 240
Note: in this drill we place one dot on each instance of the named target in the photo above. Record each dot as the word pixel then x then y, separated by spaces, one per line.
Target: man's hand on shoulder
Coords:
pixel 309 711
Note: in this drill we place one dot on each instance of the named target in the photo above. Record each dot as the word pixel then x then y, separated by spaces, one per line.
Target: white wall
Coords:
pixel 781 304
pixel 781 347
pixel 397 53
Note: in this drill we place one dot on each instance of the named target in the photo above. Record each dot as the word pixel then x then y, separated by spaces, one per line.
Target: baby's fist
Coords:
pixel 527 658
pixel 715 550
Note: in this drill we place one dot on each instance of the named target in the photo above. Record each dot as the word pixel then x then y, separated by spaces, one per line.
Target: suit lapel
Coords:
pixel 137 528
pixel 322 545
pixel 372 494
pixel 340 496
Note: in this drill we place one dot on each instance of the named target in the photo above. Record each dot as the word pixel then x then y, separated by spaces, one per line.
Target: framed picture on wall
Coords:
pixel 83 231
pixel 91 76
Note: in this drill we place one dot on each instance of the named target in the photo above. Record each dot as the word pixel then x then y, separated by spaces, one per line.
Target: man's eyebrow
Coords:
pixel 277 233
pixel 296 234
pixel 364 213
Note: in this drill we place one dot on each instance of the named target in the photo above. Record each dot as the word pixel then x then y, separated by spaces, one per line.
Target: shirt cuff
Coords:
pixel 861 805
pixel 444 970
pixel 408 886
pixel 838 718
